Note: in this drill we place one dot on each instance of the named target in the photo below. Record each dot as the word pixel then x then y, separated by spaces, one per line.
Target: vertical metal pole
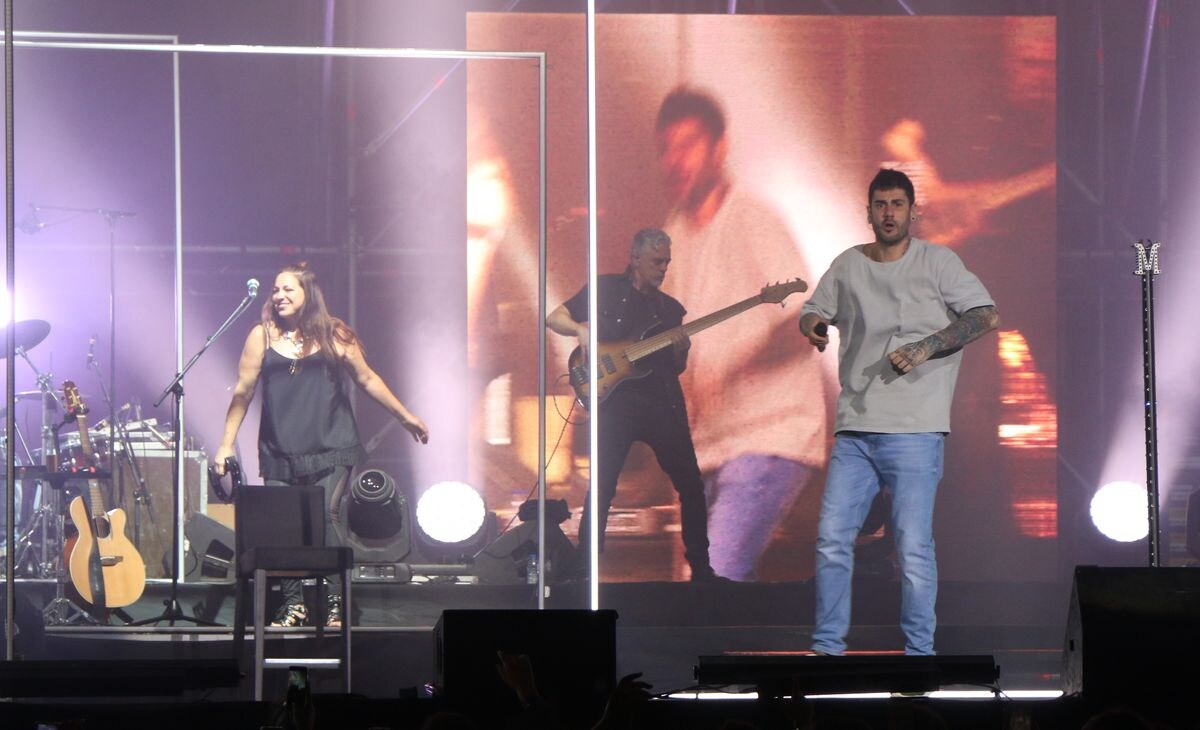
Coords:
pixel 593 401
pixel 1147 269
pixel 1101 180
pixel 353 233
pixel 10 334
pixel 542 254
pixel 113 408
pixel 180 484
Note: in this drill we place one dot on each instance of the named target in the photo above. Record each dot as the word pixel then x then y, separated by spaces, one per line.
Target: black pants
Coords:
pixel 629 417
pixel 333 482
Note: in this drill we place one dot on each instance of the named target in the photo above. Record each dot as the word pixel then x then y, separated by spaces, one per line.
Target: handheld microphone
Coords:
pixel 820 329
pixel 252 288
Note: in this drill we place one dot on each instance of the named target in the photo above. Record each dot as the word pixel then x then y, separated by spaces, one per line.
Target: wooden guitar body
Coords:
pixel 105 567
pixel 615 368
pixel 104 554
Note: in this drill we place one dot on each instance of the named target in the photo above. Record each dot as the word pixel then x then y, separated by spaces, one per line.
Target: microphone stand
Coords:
pixel 31 224
pixel 173 613
pixel 117 432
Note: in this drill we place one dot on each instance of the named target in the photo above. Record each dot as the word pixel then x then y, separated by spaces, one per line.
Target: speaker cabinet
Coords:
pixel 210 550
pixel 151 518
pixel 1130 632
pixel 505 560
pixel 573 654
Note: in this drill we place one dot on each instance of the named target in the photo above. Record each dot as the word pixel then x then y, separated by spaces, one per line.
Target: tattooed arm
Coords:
pixel 973 324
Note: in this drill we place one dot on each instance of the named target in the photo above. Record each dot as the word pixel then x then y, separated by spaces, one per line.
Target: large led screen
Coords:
pixel 809 109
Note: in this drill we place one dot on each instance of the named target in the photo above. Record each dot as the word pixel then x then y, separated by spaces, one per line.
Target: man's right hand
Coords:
pixel 816 330
pixel 583 334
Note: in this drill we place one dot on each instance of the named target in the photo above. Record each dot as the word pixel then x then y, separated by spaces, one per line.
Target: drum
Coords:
pixel 18 509
pixel 71 453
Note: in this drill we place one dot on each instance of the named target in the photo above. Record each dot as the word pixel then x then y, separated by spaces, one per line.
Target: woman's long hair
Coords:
pixel 314 323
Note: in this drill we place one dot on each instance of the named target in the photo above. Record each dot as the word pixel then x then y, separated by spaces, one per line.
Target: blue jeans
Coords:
pixel 910 466
pixel 748 497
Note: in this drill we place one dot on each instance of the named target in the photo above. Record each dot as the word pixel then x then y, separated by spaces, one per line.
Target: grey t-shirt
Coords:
pixel 877 307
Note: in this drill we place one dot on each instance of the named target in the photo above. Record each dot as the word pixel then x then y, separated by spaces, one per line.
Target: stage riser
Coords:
pixel 662 627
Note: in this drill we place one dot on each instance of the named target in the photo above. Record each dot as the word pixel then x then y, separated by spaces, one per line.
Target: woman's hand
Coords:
pixel 417 427
pixel 219 458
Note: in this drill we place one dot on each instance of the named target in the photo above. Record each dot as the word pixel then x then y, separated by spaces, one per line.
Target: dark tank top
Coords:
pixel 307 423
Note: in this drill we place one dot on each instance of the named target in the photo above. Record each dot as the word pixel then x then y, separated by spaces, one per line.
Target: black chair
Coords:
pixel 280 533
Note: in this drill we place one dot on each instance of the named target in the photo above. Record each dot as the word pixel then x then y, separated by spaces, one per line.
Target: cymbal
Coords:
pixel 28 334
pixel 29 395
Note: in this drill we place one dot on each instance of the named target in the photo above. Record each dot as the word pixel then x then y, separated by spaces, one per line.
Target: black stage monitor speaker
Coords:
pixel 29 639
pixel 210 546
pixel 505 560
pixel 1130 634
pixel 573 654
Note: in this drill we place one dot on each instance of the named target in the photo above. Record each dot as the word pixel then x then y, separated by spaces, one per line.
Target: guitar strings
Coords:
pixel 657 342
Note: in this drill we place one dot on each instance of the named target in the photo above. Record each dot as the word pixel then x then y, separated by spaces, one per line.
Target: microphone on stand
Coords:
pixel 91 356
pixel 252 288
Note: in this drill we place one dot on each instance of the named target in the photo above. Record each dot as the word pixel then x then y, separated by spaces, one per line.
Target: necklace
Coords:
pixel 297 342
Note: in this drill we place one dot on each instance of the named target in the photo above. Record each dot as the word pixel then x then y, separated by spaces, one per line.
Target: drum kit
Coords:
pixel 48 475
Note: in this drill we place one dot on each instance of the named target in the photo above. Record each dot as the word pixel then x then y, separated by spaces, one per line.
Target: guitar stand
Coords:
pixel 61 610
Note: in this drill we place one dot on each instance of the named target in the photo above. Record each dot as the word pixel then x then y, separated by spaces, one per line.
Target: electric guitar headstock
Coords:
pixel 776 293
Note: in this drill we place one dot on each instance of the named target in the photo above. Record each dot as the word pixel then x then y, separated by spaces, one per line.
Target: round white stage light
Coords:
pixel 450 512
pixel 1119 511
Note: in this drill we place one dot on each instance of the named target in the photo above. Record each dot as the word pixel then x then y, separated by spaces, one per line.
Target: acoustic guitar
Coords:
pixel 105 567
pixel 625 359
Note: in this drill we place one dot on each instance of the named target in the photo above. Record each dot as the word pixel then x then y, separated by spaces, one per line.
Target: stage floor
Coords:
pixel 661 630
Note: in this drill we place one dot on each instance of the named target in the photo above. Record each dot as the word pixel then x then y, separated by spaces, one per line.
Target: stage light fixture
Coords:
pixel 1119 511
pixel 378 519
pixel 450 513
